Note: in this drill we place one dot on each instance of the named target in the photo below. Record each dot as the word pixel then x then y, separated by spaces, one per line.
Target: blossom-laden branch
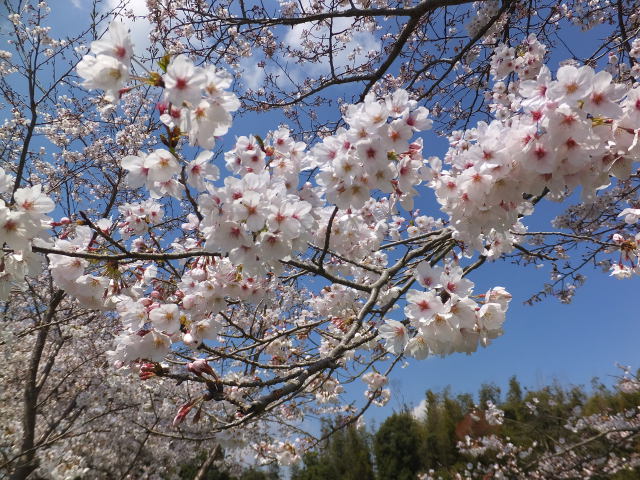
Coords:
pixel 304 266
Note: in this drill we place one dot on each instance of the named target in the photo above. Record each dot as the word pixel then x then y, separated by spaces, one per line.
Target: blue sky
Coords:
pixel 547 341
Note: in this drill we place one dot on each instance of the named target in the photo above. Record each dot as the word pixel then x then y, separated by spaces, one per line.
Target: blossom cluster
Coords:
pixel 444 318
pixel 373 154
pixel 109 67
pixel 576 131
pixel 22 223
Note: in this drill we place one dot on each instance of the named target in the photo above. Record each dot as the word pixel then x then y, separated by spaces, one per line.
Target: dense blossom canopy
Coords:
pixel 309 262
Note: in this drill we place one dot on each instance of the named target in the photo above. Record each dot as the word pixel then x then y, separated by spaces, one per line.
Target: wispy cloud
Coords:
pixel 253 74
pixel 352 53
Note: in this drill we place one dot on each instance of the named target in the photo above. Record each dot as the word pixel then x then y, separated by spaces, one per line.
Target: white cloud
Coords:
pixel 353 53
pixel 252 75
pixel 420 411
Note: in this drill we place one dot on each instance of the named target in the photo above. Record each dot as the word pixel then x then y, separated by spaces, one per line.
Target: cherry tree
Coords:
pixel 67 415
pixel 254 280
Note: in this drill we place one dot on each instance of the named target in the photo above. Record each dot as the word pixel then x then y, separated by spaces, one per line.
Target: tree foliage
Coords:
pixel 556 426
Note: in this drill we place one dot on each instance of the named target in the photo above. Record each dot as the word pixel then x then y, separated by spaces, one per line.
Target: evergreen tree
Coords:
pixel 397 448
pixel 489 392
pixel 346 455
pixel 514 407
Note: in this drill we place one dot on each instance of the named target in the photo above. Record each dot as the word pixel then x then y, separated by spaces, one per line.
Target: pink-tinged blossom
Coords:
pixel 89 290
pixel 374 380
pixel 395 335
pixel 103 73
pixel 201 169
pixel 604 95
pixel 631 107
pixel 572 84
pixel 33 202
pixel 398 103
pixel 418 119
pixel 428 276
pixel 183 81
pixel 491 316
pixel 16 228
pixel 290 219
pixel 133 314
pixel 252 210
pixel 161 166
pixel 534 92
pixel 138 173
pixel 226 236
pixel 498 295
pixel 206 329
pixel 454 282
pixel 166 318
pixel 116 43
pixel 418 347
pixel 422 306
pixel 441 333
pixel 273 246
pixel 147 345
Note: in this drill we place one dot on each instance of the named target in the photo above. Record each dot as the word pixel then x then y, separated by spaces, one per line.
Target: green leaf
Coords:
pixel 163 63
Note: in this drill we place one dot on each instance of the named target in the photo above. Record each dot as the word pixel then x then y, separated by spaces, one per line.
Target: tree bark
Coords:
pixel 27 456
pixel 215 453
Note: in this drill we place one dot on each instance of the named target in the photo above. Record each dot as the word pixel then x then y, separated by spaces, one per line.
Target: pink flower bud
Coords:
pixel 148 367
pixel 199 367
pixel 183 411
pixel 146 375
pixel 162 107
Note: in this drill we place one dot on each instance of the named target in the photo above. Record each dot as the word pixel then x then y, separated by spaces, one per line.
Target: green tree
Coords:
pixel 444 413
pixel 489 392
pixel 514 407
pixel 397 448
pixel 346 455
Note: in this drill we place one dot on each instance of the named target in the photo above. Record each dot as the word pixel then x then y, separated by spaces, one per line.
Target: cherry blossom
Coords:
pixel 314 255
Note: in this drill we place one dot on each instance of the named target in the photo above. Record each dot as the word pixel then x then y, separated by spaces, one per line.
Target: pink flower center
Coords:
pixel 181 83
pixel 10 226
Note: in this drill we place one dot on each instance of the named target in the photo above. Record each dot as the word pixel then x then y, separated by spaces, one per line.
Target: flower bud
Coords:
pixel 200 366
pixel 199 274
pixel 183 411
